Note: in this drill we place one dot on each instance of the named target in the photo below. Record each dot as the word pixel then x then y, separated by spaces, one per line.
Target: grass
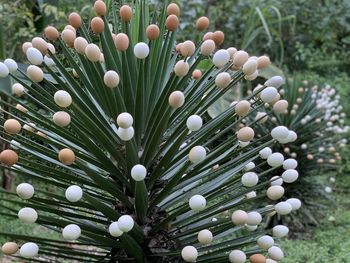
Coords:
pixel 329 242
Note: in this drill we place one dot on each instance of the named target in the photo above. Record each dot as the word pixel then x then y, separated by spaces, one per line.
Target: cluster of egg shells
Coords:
pixel 251 220
pixel 37 54
pixel 327 102
pixel 71 232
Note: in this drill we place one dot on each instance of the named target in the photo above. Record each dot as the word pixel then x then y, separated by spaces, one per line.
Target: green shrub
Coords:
pixel 138 173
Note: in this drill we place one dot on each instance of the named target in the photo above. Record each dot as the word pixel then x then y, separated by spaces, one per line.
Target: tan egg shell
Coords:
pixel 263 62
pixel 74 20
pixel 121 42
pixel 100 8
pixel 197 74
pixel 25 46
pixel 68 36
pixel 12 126
pixel 35 73
pixel 242 108
pixel 8 157
pixel 257 258
pixel 51 33
pixel 176 99
pixel 152 32
pixel 187 48
pixel 66 156
pixel 173 9
pixel 245 134
pixel 125 13
pixel 9 248
pixel 202 23
pixel 97 25
pixel 21 108
pixel 40 44
pixel 218 37
pixel 172 23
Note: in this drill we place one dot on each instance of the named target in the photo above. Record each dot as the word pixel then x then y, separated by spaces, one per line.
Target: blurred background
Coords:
pixel 308 40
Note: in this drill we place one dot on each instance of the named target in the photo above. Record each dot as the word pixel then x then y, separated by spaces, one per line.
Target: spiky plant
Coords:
pixel 316 113
pixel 137 173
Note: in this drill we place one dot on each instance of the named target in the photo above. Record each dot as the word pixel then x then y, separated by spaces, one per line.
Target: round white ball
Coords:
pixel 275 159
pixel 28 215
pixel 250 179
pixel 4 71
pixel 138 172
pixel 25 191
pixel 276 81
pixel 222 80
pixel 141 50
pixel 125 120
pixel 11 65
pixel 295 203
pixel 62 98
pixel 29 250
pixel 49 61
pixel 194 123
pixel 34 56
pixel 74 193
pixel 280 231
pixel 17 89
pixel 221 58
pixel 125 223
pixel 290 164
pixel 275 192
pixel 290 176
pixel 197 203
pixel 61 118
pixel 114 230
pixel 280 132
pixel 197 154
pixel 275 181
pixel 71 232
pixel 126 134
pixel 283 208
pixel 265 153
pixel 275 253
pixel 111 79
pixel 205 237
pixel 249 166
pixel 254 218
pixel 265 242
pixel 237 256
pixel 189 254
pixel 268 94
pixel 239 217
